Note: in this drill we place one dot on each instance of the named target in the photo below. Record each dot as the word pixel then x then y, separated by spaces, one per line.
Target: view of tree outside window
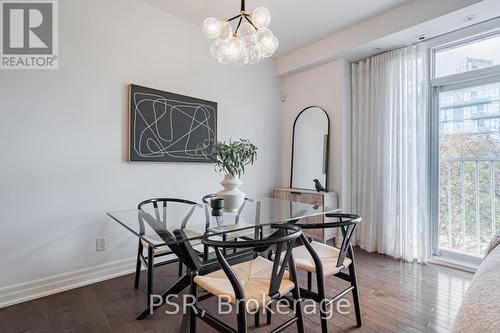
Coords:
pixel 469 155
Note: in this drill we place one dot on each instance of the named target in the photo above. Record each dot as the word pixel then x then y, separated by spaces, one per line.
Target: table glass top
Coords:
pixel 178 222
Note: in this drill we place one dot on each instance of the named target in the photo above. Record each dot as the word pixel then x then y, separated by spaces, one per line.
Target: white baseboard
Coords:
pixel 27 291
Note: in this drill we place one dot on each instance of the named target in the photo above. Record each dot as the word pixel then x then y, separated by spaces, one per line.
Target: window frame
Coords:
pixel 436 86
pixel 465 76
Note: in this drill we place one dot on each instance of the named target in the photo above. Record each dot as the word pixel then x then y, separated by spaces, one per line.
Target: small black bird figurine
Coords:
pixel 318 186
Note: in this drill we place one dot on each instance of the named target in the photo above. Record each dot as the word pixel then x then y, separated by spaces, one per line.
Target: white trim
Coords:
pixel 465 77
pixel 453 264
pixel 27 291
pixel 434 170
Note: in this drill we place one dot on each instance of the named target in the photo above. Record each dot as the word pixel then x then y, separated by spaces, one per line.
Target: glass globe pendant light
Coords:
pixel 249 43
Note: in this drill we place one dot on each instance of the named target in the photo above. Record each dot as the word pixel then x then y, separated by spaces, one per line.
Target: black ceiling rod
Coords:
pixel 234 18
pixel 239 23
pixel 246 17
pixel 242 5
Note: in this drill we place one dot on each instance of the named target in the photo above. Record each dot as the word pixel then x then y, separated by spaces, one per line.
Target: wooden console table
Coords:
pixel 324 199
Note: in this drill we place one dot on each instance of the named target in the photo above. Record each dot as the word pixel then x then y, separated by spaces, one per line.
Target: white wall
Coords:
pixel 327 86
pixel 63 134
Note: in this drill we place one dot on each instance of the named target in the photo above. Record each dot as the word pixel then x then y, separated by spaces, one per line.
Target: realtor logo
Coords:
pixel 29 34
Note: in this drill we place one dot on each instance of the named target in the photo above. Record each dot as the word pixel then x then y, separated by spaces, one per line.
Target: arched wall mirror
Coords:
pixel 311 131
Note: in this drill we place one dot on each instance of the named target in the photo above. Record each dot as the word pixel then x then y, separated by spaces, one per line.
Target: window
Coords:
pixel 467 56
pixel 466 145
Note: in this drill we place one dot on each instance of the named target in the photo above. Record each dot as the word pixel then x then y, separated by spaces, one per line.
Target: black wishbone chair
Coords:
pixel 325 260
pixel 160 215
pixel 253 284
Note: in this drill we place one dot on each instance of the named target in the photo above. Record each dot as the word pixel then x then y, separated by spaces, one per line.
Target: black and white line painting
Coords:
pixel 167 127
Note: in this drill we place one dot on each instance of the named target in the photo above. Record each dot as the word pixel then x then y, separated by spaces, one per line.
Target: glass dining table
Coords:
pixel 179 226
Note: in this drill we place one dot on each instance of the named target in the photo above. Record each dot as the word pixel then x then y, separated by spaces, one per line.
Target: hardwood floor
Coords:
pixel 395 297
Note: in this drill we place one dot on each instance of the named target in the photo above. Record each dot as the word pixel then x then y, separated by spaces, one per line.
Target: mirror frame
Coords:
pixel 326 152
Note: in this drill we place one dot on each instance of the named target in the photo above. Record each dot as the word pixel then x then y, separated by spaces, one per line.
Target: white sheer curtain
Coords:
pixel 390 176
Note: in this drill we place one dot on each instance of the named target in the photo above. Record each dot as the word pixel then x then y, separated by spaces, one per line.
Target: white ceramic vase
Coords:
pixel 233 197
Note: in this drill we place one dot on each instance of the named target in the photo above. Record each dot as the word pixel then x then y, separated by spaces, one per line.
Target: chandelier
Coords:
pixel 249 43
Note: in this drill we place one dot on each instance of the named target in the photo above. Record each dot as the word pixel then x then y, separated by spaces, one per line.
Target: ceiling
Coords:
pixel 295 22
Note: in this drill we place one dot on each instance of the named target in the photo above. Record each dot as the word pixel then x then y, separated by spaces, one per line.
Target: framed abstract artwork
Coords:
pixel 167 127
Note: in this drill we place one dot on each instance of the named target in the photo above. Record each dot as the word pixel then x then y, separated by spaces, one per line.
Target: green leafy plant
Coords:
pixel 232 158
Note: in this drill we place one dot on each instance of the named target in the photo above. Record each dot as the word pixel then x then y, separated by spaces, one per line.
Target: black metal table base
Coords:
pixel 175 289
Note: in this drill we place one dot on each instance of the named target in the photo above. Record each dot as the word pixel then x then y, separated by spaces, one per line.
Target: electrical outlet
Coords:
pixel 100 244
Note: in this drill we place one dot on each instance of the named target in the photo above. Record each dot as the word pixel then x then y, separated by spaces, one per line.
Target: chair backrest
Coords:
pixel 160 206
pixel 347 224
pixel 284 240
pixel 164 202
